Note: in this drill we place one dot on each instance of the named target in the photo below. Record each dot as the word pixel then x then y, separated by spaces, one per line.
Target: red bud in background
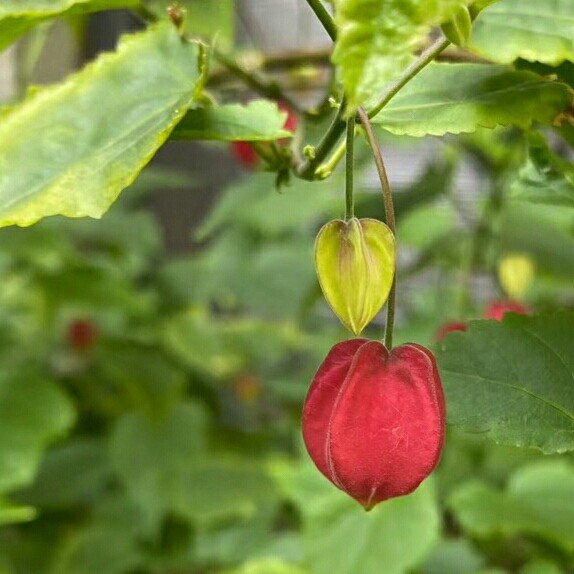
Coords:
pixel 447 328
pixel 374 421
pixel 497 309
pixel 245 153
pixel 82 334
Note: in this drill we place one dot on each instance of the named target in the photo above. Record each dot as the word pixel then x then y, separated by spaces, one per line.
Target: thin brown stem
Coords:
pixel 390 216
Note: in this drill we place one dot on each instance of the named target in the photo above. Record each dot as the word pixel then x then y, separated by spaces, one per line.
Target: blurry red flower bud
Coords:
pixel 82 334
pixel 447 328
pixel 497 309
pixel 374 420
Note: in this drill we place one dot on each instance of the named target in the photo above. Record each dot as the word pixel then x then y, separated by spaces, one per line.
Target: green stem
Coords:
pixel 270 90
pixel 307 170
pixel 390 217
pixel 349 192
pixel 423 60
pixel 324 17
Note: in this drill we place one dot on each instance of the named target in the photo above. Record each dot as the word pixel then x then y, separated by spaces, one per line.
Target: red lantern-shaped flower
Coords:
pixel 374 420
pixel 497 309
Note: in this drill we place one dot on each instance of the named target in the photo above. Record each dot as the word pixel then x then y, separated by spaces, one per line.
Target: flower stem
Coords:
pixel 390 216
pixel 349 192
pixel 324 17
pixel 307 170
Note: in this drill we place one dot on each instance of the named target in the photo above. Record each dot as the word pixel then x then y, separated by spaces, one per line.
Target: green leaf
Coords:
pixel 256 121
pixel 376 40
pixel 19 16
pixel 454 557
pixel 266 566
pixel 544 177
pixel 152 456
pixel 71 149
pixel 512 381
pixel 33 412
pixel 455 98
pixel 340 537
pixel 541 567
pixel 71 474
pixel 14 513
pixel 532 504
pixel 529 29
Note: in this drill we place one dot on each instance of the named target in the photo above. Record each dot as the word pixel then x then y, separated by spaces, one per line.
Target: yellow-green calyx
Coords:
pixel 355 262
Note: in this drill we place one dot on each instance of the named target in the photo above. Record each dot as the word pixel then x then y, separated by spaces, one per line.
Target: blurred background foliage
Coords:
pixel 150 388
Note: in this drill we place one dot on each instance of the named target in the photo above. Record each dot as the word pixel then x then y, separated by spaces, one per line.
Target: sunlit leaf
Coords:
pixel 71 149
pixel 455 98
pixel 529 29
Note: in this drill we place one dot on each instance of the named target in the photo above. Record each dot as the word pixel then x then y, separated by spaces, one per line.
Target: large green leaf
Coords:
pixel 544 177
pixel 455 98
pixel 513 382
pixel 33 412
pixel 71 149
pixel 533 503
pixel 19 16
pixel 530 29
pixel 340 537
pixel 378 37
pixel 256 121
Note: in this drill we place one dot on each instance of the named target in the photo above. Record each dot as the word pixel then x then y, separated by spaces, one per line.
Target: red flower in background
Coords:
pixel 245 153
pixel 497 309
pixel 82 334
pixel 374 420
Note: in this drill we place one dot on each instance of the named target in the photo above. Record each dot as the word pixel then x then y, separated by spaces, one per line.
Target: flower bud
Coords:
pixel 355 262
pixel 374 420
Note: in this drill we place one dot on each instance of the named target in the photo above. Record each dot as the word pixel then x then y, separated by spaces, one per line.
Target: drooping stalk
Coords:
pixel 390 216
pixel 349 170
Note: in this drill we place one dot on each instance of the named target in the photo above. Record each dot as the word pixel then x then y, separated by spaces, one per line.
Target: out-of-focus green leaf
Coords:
pixel 456 98
pixel 33 412
pixel 256 205
pixel 422 226
pixel 545 177
pixel 74 473
pixel 377 38
pixel 541 567
pixel 208 19
pixel 339 536
pixel 256 121
pixel 533 504
pixel 153 456
pixel 267 566
pixel 13 513
pixel 529 29
pixel 454 557
pixel 19 16
pixel 512 381
pixel 71 149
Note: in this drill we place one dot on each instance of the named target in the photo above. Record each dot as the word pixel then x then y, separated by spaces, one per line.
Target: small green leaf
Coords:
pixel 71 149
pixel 544 177
pixel 256 121
pixel 15 513
pixel 529 29
pixel 512 381
pixel 533 504
pixel 266 566
pixel 456 98
pixel 377 39
pixel 355 263
pixel 458 29
pixel 33 412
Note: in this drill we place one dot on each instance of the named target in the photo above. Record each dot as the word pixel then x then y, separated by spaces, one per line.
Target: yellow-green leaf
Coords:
pixel 355 262
pixel 72 148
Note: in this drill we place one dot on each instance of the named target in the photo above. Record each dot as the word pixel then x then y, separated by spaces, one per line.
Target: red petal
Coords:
pixel 386 429
pixel 321 399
